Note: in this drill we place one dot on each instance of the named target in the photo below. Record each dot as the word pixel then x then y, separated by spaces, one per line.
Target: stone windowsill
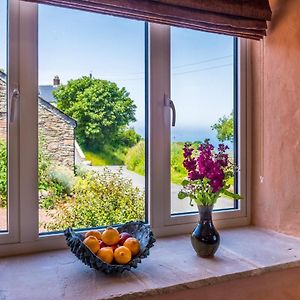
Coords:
pixel 171 266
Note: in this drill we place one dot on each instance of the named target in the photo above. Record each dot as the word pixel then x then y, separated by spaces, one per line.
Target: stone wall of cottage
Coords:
pixel 57 138
pixel 56 134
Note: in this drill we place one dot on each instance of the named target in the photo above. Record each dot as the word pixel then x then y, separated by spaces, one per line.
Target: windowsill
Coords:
pixel 172 266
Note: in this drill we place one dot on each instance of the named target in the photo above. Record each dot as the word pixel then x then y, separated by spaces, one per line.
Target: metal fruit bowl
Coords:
pixel 139 230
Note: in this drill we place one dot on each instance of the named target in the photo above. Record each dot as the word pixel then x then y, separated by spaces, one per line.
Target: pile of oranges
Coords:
pixel 111 246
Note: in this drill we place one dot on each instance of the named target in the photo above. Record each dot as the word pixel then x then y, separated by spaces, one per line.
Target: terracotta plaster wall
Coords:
pixel 276 122
pixel 280 285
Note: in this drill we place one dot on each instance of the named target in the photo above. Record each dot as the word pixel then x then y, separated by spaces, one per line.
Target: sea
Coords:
pixel 192 135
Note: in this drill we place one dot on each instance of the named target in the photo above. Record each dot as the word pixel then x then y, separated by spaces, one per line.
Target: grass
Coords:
pixel 108 156
pixel 134 159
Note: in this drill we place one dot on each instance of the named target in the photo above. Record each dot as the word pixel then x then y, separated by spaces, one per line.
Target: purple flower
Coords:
pixel 207 164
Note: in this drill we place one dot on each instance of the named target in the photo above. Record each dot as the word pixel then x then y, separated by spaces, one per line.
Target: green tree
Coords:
pixel 102 110
pixel 225 128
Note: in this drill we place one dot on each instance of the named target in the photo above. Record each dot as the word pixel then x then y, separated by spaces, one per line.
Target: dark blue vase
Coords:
pixel 205 238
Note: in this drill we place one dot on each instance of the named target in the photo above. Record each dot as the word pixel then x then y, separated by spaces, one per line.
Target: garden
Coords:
pixel 82 197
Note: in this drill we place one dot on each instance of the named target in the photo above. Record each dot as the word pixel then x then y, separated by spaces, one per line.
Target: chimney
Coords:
pixel 56 81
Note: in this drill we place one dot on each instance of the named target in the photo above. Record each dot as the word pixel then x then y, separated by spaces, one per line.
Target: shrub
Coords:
pixel 135 158
pixel 60 181
pixel 126 138
pixel 55 184
pixel 178 172
pixel 80 171
pixel 3 176
pixel 99 199
pixel 44 165
pixel 63 178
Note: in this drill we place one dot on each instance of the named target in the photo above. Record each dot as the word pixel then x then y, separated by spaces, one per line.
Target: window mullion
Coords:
pixel 159 124
pixel 12 127
pixel 28 57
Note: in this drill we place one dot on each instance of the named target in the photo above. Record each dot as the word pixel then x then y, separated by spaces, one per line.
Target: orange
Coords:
pixel 94 233
pixel 122 255
pixel 110 236
pixel 106 254
pixel 92 243
pixel 133 245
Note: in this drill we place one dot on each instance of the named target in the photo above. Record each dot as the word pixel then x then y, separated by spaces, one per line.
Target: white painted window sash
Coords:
pixel 161 219
pixel 12 84
pixel 23 235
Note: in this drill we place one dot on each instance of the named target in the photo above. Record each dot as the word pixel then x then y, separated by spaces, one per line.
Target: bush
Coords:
pixel 44 165
pixel 55 184
pixel 178 172
pixel 127 138
pixel 63 178
pixel 135 158
pixel 60 182
pixel 99 199
pixel 80 170
pixel 3 176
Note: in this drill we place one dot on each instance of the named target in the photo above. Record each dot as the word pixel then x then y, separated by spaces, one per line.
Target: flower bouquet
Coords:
pixel 209 173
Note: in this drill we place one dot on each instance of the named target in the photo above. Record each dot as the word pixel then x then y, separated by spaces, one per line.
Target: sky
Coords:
pixel 74 43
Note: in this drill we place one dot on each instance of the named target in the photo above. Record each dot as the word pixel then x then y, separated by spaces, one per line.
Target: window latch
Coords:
pixel 15 96
pixel 170 103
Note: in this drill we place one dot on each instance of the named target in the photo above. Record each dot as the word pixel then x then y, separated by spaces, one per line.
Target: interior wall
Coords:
pixel 276 122
pixel 279 285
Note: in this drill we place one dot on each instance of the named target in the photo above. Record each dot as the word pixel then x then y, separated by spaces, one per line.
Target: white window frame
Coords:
pixel 12 234
pixel 23 235
pixel 163 223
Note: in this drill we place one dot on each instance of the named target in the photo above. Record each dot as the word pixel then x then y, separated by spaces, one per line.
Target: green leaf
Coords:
pixel 185 182
pixel 231 195
pixel 182 195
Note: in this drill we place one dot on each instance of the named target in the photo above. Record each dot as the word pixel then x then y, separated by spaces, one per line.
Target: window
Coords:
pixel 57 150
pixel 91 146
pixel 3 117
pixel 169 46
pixel 200 62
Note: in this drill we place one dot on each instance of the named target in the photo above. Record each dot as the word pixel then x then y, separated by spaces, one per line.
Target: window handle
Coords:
pixel 13 103
pixel 170 103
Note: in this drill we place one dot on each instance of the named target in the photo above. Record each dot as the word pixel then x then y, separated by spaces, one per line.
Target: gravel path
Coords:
pixel 177 206
pixel 3 219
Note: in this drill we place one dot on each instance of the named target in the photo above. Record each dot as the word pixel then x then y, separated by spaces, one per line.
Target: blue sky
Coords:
pixel 3 28
pixel 74 43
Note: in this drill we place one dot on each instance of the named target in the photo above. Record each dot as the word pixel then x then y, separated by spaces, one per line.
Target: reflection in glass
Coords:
pixel 202 90
pixel 3 116
pixel 91 119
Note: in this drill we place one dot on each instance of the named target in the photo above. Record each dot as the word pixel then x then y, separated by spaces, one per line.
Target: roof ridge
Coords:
pixel 58 112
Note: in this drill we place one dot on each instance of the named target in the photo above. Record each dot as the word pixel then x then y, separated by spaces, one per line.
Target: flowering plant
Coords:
pixel 208 174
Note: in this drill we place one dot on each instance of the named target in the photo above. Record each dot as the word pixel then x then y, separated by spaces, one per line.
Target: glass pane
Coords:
pixel 202 90
pixel 91 119
pixel 3 116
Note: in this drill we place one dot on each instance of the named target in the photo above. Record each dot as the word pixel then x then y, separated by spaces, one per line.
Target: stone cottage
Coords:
pixel 56 129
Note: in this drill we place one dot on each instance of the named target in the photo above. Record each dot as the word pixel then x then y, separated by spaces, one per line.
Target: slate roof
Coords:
pixel 57 112
pixel 2 76
pixel 45 91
